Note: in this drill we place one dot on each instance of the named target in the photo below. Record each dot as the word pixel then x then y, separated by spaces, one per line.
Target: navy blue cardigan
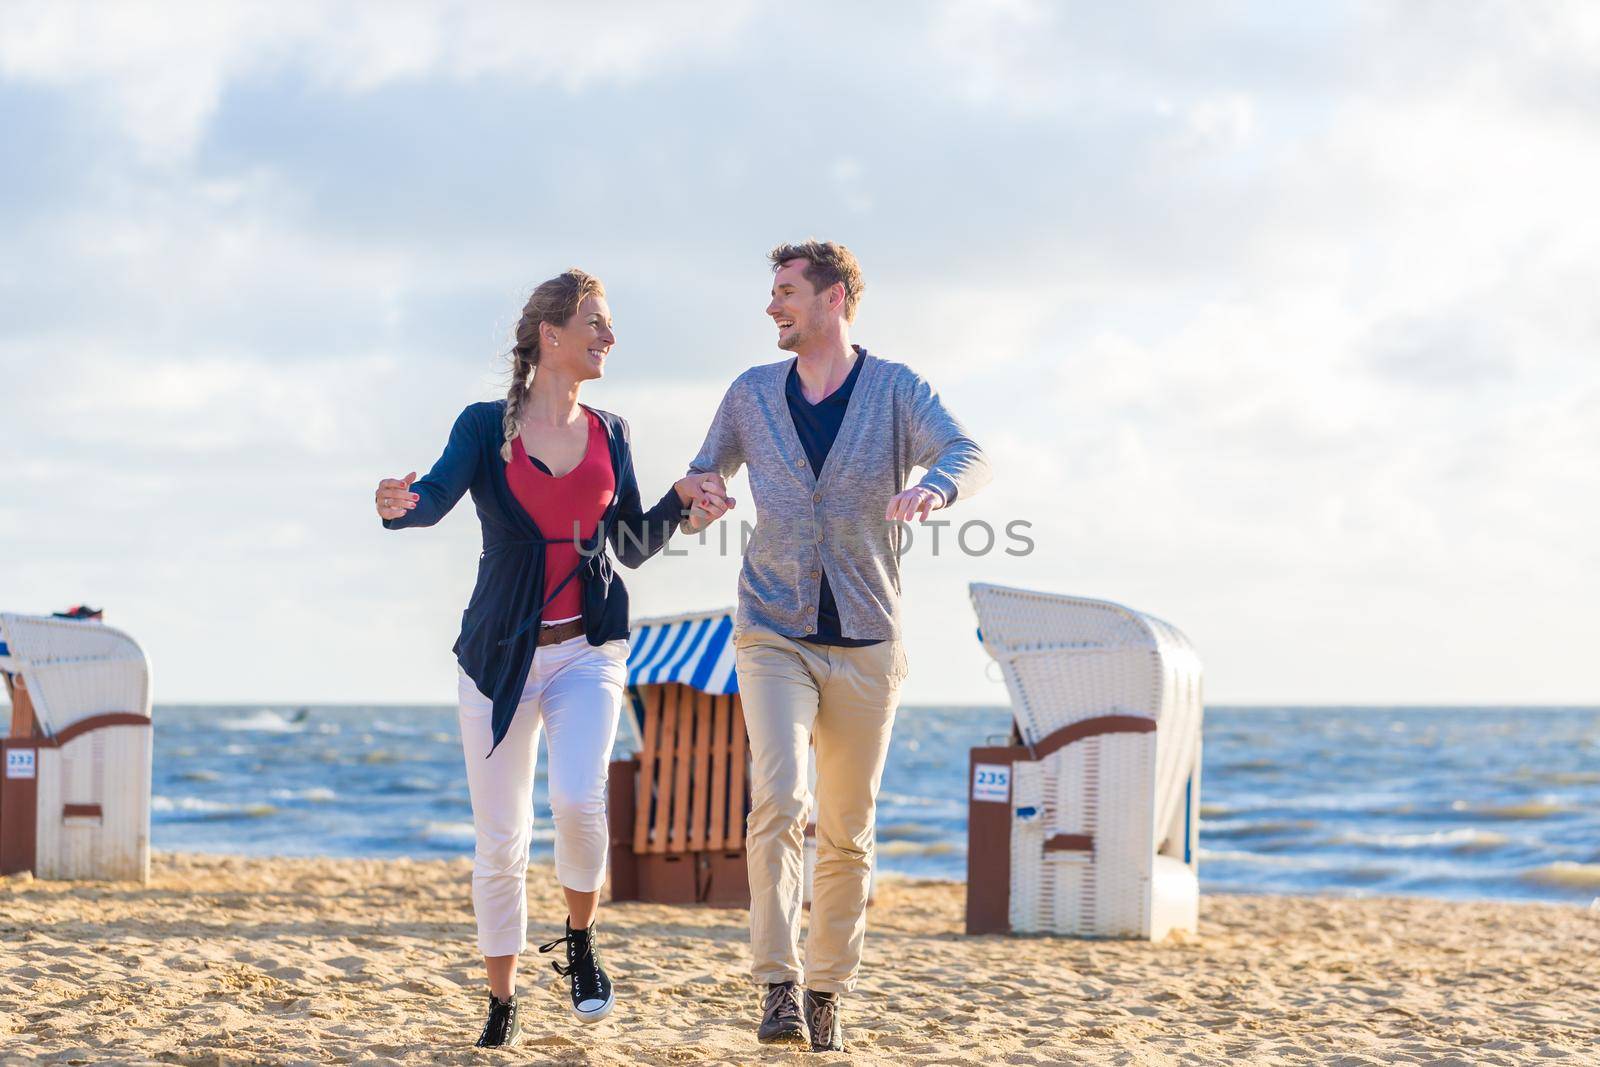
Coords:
pixel 500 627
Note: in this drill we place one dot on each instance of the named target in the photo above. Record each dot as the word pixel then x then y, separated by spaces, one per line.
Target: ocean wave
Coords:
pixel 1531 809
pixel 1269 828
pixel 908 800
pixel 317 794
pixel 1366 874
pixel 1466 839
pixel 1569 777
pixel 383 726
pixel 1565 873
pixel 452 832
pixel 265 721
pixel 918 848
pixel 1361 873
pixel 385 755
pixel 1257 858
pixel 910 831
pixel 198 808
pixel 165 804
pixel 1368 803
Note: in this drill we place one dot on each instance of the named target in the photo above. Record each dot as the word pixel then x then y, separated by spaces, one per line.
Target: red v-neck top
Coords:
pixel 559 506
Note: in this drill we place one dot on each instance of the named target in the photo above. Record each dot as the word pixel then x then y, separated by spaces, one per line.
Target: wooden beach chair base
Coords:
pixel 677 811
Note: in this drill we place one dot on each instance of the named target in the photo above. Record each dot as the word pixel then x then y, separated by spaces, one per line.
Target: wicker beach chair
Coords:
pixel 75 799
pixel 1087 824
pixel 678 807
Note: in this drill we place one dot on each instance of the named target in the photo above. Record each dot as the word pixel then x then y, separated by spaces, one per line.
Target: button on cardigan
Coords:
pixel 500 627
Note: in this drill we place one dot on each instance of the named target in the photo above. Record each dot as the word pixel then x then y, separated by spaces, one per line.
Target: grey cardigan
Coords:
pixel 804 523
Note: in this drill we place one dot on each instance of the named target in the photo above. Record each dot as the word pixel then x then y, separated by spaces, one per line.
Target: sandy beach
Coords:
pixel 229 960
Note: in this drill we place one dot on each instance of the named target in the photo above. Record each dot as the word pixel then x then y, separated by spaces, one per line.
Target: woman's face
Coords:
pixel 578 349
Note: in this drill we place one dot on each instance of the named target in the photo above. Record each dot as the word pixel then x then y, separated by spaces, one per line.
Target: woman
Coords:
pixel 543 641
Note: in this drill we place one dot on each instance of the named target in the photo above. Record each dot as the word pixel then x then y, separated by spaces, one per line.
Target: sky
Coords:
pixel 1276 321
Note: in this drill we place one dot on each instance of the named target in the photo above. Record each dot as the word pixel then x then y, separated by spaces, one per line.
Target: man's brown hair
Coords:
pixel 827 264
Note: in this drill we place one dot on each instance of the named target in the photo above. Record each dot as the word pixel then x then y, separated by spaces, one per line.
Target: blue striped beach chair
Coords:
pixel 678 807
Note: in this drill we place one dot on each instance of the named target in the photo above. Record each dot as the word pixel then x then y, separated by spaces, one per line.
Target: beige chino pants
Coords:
pixel 845 698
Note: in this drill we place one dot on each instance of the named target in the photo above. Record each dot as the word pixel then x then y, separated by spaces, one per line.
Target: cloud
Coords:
pixel 1455 350
pixel 159 70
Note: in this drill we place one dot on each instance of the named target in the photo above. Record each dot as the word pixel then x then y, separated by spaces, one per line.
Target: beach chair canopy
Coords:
pixel 695 650
pixel 74 668
pixel 1067 659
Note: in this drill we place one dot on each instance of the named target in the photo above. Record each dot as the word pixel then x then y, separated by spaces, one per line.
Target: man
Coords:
pixel 830 437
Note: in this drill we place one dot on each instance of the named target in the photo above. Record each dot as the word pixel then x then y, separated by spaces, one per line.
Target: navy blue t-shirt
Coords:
pixel 818 425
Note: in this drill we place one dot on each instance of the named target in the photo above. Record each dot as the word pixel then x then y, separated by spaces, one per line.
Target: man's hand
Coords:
pixel 706 497
pixel 916 501
pixel 394 496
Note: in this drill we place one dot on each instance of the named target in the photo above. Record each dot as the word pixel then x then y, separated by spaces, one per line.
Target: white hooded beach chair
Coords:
pixel 1087 824
pixel 75 799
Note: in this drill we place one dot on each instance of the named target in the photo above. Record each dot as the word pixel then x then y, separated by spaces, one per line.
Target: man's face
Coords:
pixel 799 311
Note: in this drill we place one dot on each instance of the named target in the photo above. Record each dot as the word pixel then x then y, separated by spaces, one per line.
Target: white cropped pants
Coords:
pixel 573 695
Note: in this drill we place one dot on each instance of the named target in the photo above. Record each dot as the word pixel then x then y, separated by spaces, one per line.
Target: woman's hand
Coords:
pixel 706 497
pixel 694 487
pixel 702 515
pixel 394 496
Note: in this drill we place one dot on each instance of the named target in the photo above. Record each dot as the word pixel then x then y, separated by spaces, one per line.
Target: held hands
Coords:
pixel 706 497
pixel 914 502
pixel 394 496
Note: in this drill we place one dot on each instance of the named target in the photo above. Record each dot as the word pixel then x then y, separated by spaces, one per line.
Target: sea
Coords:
pixel 1459 803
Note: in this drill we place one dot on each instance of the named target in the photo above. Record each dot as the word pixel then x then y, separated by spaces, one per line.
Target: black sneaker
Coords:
pixel 781 1021
pixel 592 994
pixel 503 1027
pixel 822 1016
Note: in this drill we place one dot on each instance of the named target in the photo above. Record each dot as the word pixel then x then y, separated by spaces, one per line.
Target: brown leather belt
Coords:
pixel 561 631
